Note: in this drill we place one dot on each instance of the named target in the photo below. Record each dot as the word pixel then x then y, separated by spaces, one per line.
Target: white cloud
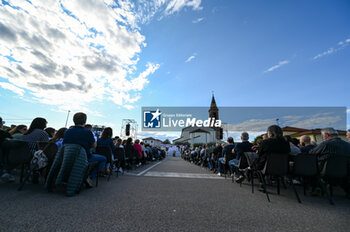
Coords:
pixel 71 53
pixel 176 5
pixel 328 52
pixel 171 135
pixel 341 45
pixel 189 59
pixel 13 88
pixel 348 111
pixel 251 125
pixel 197 20
pixel 143 11
pixel 280 64
pixel 318 120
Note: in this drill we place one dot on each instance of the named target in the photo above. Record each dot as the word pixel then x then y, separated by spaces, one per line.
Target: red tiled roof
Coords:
pixel 316 131
pixel 293 129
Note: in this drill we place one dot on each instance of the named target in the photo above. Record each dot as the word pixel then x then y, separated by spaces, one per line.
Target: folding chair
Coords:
pixel 250 157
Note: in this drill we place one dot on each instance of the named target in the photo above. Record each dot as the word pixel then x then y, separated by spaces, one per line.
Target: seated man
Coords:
pixel 306 145
pixel 332 145
pixel 77 134
pixel 244 146
pixel 5 176
pixel 227 153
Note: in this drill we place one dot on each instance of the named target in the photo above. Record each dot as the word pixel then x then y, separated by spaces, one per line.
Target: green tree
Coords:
pixel 167 141
pixel 257 138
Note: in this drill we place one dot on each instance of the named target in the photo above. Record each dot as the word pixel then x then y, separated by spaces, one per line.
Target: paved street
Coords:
pixel 171 195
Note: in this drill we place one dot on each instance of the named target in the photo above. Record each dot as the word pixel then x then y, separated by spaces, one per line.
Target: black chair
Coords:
pixel 107 152
pixel 89 169
pixel 243 164
pixel 16 153
pixel 50 150
pixel 335 172
pixel 225 168
pixel 306 166
pixel 250 158
pixel 277 165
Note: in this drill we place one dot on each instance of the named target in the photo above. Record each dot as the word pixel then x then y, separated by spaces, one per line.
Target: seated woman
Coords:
pixel 275 143
pixel 106 140
pixel 36 133
pixel 58 137
pixel 18 131
pixel 51 132
pixel 120 155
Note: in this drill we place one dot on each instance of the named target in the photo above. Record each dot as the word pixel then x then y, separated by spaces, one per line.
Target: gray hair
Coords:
pixel 306 138
pixel 244 136
pixel 329 130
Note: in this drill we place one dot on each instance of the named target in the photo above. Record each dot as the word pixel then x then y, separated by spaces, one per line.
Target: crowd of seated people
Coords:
pixel 125 154
pixel 229 157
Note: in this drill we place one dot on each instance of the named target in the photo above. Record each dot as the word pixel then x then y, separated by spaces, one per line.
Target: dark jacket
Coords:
pixel 335 146
pixel 70 165
pixel 107 142
pixel 227 152
pixel 268 146
pixel 120 153
pixel 240 148
pixel 129 151
pixel 307 148
pixel 4 135
pixel 217 152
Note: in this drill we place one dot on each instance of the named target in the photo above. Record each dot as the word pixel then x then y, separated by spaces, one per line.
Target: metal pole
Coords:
pixel 67 118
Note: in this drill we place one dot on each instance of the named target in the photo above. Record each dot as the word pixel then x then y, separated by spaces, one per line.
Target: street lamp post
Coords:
pixel 67 118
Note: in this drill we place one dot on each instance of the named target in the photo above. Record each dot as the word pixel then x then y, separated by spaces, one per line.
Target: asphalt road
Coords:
pixel 172 195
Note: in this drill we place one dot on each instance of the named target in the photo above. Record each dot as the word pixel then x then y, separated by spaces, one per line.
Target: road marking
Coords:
pixel 141 173
pixel 184 175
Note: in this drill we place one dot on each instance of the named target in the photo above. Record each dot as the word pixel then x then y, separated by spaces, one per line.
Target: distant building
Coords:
pixel 193 135
pixel 153 142
pixel 315 134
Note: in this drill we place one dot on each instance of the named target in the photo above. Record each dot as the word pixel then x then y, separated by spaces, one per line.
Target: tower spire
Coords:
pixel 213 102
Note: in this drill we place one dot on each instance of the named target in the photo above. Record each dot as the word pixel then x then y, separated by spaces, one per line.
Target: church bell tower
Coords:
pixel 213 111
pixel 214 115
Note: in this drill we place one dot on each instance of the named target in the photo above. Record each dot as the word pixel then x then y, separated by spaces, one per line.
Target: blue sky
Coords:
pixel 109 58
